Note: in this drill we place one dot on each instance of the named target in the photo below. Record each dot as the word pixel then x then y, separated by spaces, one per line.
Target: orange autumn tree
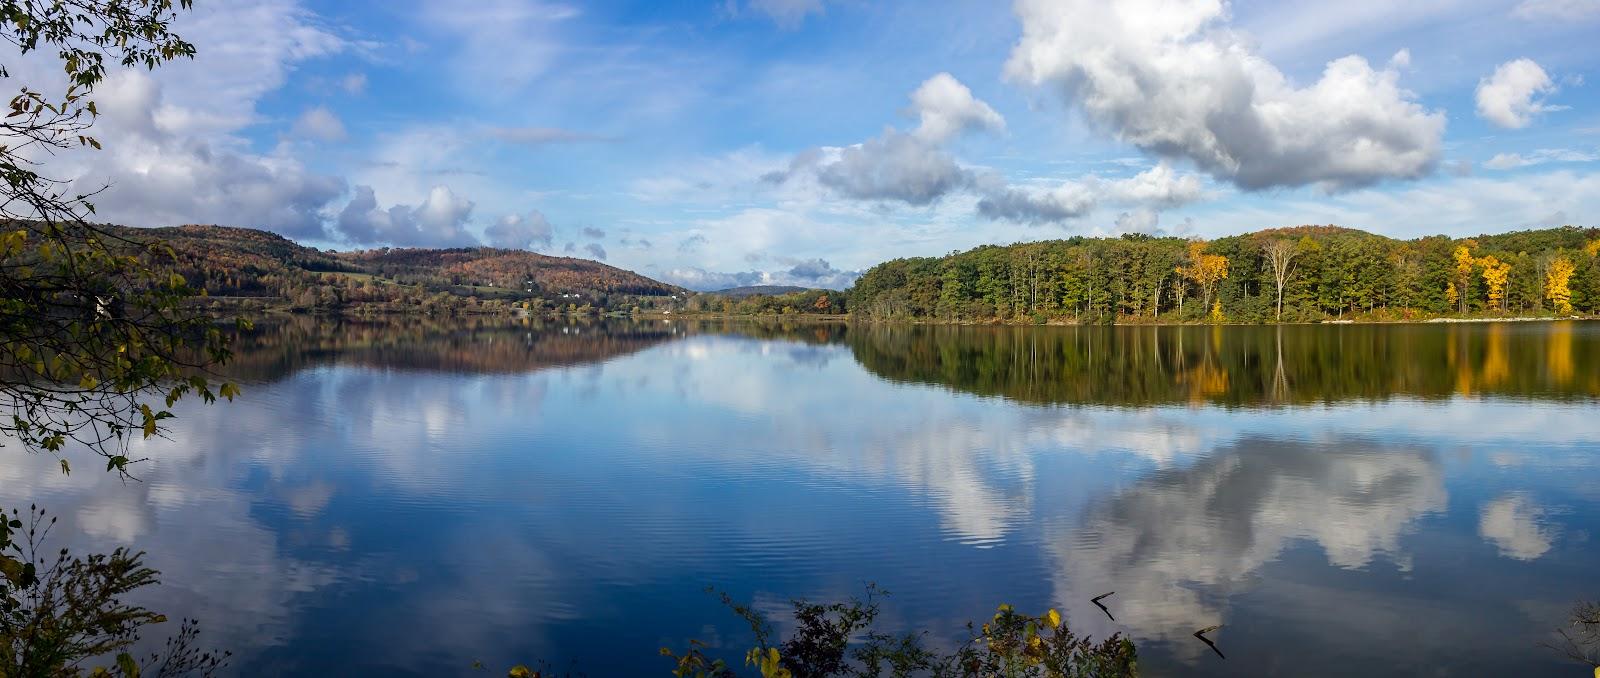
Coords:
pixel 1557 284
pixel 1206 270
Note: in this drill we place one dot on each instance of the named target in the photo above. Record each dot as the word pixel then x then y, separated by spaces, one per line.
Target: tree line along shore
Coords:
pixel 1305 274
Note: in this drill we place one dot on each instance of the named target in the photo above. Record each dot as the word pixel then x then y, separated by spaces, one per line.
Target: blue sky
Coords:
pixel 798 141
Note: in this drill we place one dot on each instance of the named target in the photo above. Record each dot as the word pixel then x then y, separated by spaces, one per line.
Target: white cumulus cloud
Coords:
pixel 1156 187
pixel 696 278
pixel 947 109
pixel 1138 221
pixel 1159 185
pixel 157 175
pixel 1170 78
pixel 1514 94
pixel 896 166
pixel 517 231
pixel 1063 202
pixel 440 220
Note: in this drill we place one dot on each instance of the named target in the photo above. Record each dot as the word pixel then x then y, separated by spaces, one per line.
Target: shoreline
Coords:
pixel 360 312
pixel 1509 320
pixel 1001 323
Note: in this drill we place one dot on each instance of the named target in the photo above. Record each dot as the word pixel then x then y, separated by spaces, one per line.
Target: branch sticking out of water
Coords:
pixel 1096 601
pixel 1201 634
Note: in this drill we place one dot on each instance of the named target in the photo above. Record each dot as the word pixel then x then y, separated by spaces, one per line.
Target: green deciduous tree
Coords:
pixel 97 337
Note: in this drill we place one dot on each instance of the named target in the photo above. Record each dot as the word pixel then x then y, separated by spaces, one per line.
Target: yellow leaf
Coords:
pixel 1053 618
pixel 129 667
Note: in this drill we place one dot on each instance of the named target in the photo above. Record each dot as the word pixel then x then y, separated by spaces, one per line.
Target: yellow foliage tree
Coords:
pixel 1557 284
pixel 1451 295
pixel 1206 270
pixel 1495 275
pixel 1593 248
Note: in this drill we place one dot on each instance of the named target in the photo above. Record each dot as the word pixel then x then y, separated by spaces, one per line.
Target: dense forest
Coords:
pixel 245 266
pixel 1301 274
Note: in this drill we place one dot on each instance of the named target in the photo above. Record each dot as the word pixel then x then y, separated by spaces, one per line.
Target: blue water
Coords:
pixel 366 513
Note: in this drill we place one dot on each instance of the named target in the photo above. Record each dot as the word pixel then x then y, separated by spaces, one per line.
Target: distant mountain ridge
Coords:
pixel 754 290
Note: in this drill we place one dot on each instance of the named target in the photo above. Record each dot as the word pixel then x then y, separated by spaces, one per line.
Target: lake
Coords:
pixel 406 498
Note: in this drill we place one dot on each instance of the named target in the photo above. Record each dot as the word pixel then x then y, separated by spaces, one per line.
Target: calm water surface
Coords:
pixel 404 500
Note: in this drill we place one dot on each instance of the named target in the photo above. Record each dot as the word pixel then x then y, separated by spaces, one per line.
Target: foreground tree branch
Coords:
pixel 97 338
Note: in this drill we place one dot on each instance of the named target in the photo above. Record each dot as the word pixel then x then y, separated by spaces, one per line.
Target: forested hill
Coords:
pixel 1322 272
pixel 243 262
pixel 754 290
